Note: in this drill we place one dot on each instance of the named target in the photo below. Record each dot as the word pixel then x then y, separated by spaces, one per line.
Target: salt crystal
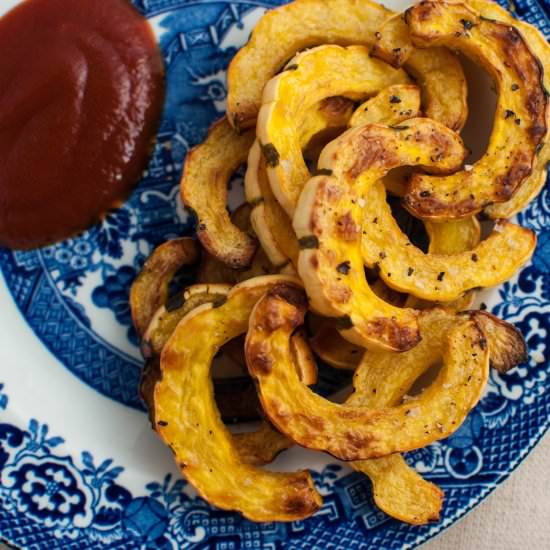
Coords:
pixel 468 167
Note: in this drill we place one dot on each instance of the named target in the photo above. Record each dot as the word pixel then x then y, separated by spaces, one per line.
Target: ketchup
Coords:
pixel 81 95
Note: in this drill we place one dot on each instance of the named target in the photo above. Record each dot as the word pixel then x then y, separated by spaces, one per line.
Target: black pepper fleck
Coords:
pixel 343 268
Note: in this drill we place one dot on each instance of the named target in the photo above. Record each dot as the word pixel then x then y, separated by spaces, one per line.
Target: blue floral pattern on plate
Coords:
pixel 50 499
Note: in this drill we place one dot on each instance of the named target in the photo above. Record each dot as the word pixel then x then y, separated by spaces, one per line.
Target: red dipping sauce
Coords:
pixel 81 94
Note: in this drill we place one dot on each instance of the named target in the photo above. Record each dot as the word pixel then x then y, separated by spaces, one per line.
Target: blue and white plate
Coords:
pixel 80 467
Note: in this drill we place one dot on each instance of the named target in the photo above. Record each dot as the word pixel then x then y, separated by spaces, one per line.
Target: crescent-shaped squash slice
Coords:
pixel 356 432
pixel 391 106
pixel 322 72
pixel 532 186
pixel 302 24
pixel 329 223
pixel 439 277
pixel 236 397
pixel 189 422
pixel 520 119
pixel 382 381
pixel 507 346
pixel 270 222
pixel 149 291
pixel 211 270
pixel 207 170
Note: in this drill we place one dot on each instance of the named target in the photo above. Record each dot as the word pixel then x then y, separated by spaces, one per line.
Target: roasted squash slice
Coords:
pixel 149 291
pixel 270 222
pixel 189 422
pixel 356 432
pixel 305 23
pixel 506 344
pixel 329 223
pixel 439 277
pixel 532 186
pixel 235 397
pixel 207 170
pixel 383 381
pixel 289 94
pixel 390 106
pixel 520 119
pixel 211 270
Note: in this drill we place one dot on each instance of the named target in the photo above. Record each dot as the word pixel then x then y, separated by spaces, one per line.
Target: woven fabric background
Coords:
pixel 516 515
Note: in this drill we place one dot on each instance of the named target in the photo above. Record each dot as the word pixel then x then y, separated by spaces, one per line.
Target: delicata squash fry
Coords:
pixel 305 23
pixel 438 277
pixel 235 397
pixel 355 432
pixel 150 289
pixel 211 270
pixel 270 222
pixel 188 421
pixel 520 119
pixel 531 187
pixel 383 380
pixel 207 170
pixel 329 222
pixel 287 95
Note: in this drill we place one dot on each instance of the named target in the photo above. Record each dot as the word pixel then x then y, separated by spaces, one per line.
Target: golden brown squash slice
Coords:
pixel 390 106
pixel 270 222
pixel 212 270
pixel 149 291
pixel 532 186
pixel 207 170
pixel 235 397
pixel 288 95
pixel 306 23
pixel 520 119
pixel 439 277
pixel 189 421
pixel 382 380
pixel 329 223
pixel 356 432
